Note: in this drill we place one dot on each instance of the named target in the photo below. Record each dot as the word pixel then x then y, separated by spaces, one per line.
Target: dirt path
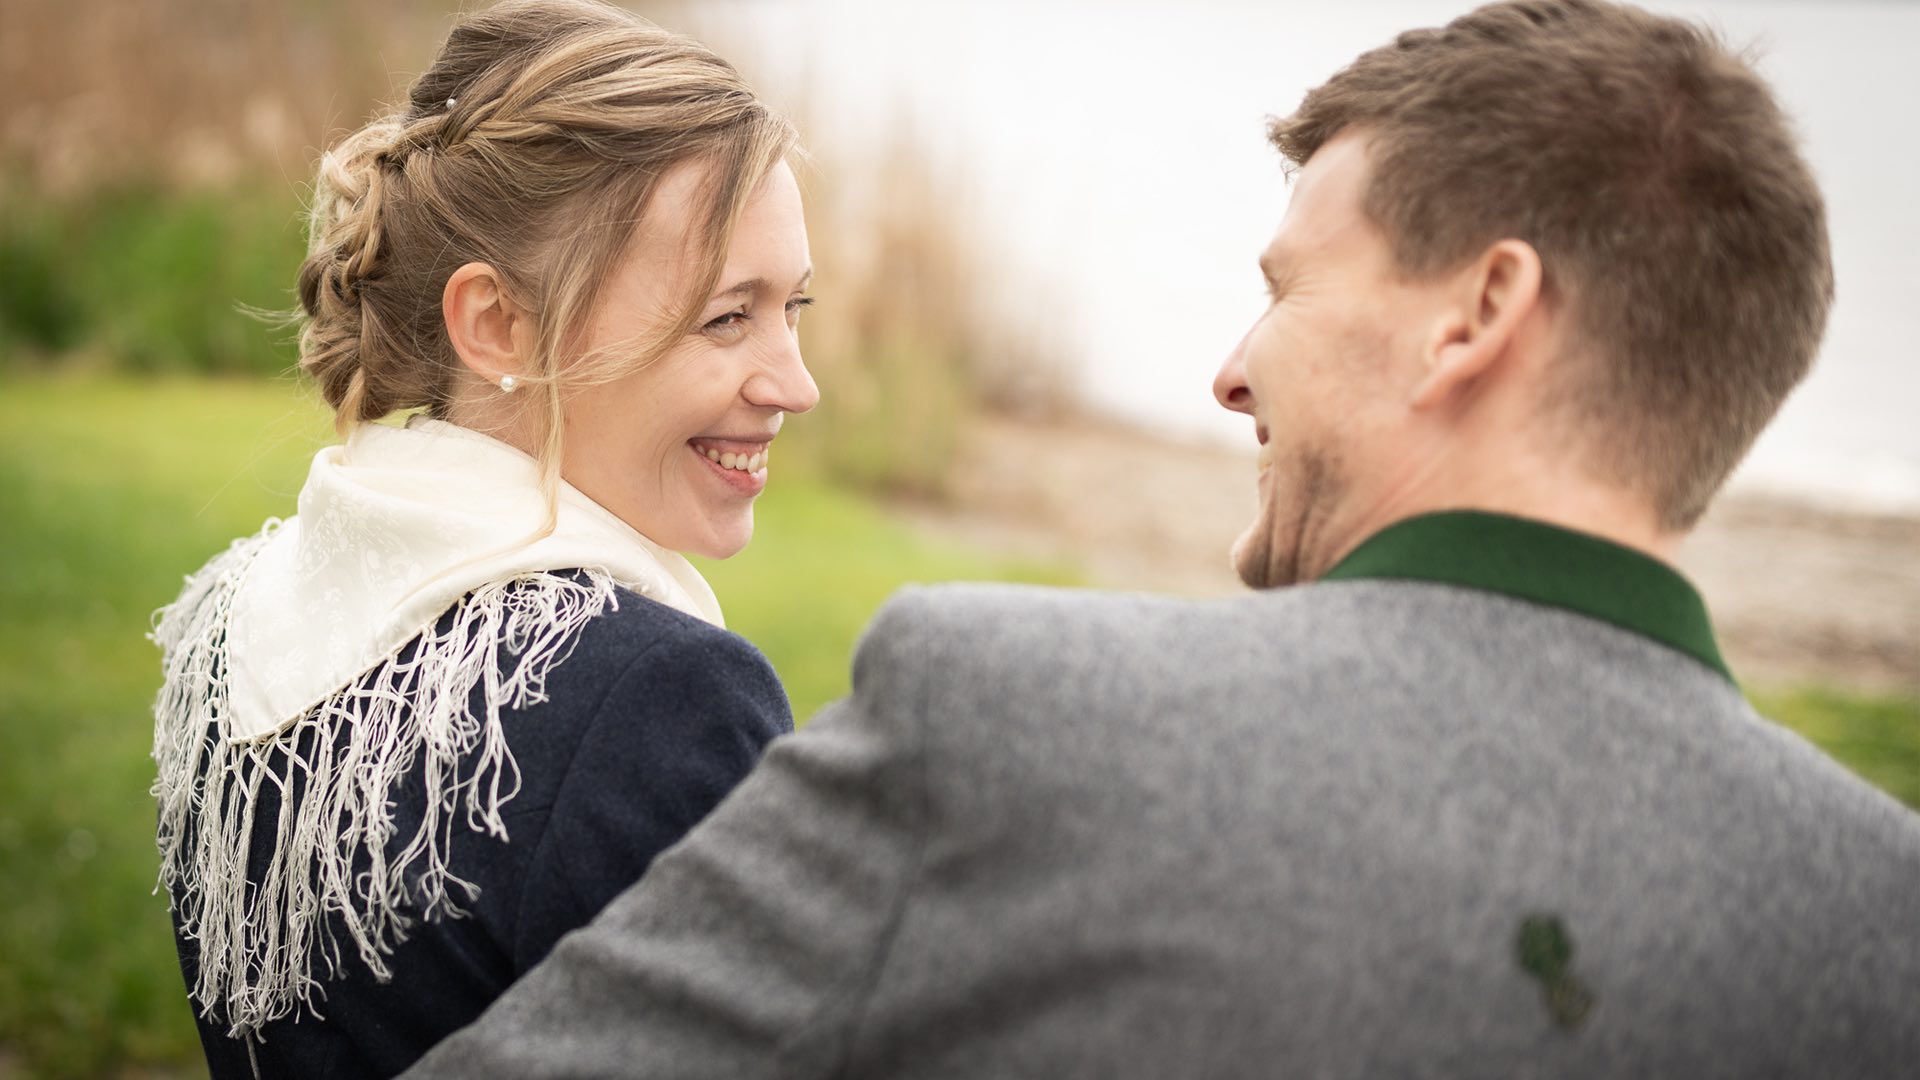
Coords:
pixel 1798 594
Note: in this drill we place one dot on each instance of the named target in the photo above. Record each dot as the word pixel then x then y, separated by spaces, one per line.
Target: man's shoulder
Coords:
pixel 1321 670
pixel 1369 629
pixel 1279 633
pixel 1047 618
pixel 1066 658
pixel 1313 678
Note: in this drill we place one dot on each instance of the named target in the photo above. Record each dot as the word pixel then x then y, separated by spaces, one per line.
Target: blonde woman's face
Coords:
pixel 680 449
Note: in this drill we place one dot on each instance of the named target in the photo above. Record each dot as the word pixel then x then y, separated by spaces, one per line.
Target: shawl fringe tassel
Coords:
pixel 268 942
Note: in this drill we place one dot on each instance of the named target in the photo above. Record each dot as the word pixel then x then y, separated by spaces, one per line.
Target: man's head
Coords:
pixel 1557 249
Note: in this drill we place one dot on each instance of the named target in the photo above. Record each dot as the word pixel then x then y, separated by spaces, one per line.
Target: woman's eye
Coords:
pixel 729 323
pixel 796 304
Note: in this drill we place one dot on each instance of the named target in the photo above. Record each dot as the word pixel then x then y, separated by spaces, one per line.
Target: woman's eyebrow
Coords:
pixel 751 285
pixel 754 285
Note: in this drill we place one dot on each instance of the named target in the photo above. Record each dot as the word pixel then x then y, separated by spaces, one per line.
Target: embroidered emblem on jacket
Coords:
pixel 1546 952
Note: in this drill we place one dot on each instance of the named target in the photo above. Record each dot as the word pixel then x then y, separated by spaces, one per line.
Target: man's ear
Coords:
pixel 486 330
pixel 1495 294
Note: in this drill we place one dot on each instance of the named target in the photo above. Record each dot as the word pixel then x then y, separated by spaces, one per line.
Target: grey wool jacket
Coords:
pixel 1485 803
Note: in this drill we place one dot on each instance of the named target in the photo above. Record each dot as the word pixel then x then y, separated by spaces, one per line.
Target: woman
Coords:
pixel 412 736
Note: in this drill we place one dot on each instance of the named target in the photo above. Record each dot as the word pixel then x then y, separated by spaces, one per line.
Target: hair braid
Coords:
pixel 343 254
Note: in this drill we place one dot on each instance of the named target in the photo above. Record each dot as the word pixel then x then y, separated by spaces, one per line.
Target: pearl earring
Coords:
pixel 508 384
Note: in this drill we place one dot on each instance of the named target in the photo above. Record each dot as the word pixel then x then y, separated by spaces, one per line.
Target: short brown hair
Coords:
pixel 1662 186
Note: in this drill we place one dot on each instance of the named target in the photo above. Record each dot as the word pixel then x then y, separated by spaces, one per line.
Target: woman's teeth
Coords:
pixel 750 463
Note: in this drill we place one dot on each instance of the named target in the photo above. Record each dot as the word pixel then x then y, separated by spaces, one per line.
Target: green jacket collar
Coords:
pixel 1545 564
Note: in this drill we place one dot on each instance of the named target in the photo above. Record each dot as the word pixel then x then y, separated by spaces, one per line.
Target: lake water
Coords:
pixel 1113 152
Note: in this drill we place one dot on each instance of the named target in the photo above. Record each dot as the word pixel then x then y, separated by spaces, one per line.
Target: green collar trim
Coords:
pixel 1545 564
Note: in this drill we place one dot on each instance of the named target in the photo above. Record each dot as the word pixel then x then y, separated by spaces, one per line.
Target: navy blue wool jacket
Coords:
pixel 648 724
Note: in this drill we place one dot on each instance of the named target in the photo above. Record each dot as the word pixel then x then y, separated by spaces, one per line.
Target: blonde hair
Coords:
pixel 532 144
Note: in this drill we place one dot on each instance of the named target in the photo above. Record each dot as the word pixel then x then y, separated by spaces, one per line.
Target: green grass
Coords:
pixel 1877 736
pixel 110 491
pixel 147 280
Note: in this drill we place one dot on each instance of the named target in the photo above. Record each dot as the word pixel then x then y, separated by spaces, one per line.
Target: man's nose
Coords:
pixel 1230 383
pixel 784 382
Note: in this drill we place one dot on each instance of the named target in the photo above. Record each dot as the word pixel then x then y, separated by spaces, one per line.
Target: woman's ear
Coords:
pixel 486 330
pixel 1494 296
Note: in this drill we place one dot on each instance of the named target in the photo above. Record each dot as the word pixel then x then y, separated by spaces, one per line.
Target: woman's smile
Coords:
pixel 741 464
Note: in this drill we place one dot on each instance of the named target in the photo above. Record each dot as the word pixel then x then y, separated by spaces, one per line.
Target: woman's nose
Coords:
pixel 784 382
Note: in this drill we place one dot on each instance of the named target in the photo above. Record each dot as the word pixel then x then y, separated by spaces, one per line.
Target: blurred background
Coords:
pixel 1035 226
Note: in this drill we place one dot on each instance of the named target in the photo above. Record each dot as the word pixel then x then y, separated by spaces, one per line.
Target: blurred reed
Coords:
pixel 193 94
pixel 154 156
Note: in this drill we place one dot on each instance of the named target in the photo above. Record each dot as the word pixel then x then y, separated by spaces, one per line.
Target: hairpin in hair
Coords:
pixel 451 102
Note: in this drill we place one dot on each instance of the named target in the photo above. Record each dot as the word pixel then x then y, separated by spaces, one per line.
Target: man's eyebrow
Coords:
pixel 1274 266
pixel 754 285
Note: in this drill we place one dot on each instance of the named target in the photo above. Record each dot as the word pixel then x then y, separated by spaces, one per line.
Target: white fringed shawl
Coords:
pixel 286 664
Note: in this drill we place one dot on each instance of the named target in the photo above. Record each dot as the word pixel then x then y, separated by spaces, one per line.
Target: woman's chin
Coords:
pixel 723 540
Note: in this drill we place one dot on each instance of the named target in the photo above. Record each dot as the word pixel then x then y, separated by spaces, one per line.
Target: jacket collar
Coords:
pixel 1545 564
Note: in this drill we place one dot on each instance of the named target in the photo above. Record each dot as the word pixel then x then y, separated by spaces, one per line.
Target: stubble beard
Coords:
pixel 1272 553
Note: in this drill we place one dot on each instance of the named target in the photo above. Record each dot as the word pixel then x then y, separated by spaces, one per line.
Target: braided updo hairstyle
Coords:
pixel 532 144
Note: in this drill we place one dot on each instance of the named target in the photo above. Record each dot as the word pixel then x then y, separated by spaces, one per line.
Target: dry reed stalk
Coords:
pixel 193 93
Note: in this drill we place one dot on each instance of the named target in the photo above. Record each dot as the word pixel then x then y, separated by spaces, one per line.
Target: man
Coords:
pixel 1480 800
